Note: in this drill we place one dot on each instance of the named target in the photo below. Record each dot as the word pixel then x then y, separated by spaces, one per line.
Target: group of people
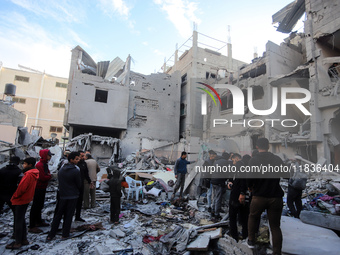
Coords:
pixel 77 176
pixel 249 198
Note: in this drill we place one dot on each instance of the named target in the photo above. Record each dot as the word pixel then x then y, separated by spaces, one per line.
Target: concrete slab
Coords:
pixel 117 233
pixel 324 220
pixel 200 244
pixel 304 239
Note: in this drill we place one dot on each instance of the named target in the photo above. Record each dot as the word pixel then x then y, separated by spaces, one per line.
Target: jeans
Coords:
pixel 79 202
pixel 20 232
pixel 240 212
pixel 209 195
pixel 66 208
pixel 294 201
pixel 114 209
pixel 87 193
pixel 180 184
pixel 37 206
pixel 218 191
pixel 274 207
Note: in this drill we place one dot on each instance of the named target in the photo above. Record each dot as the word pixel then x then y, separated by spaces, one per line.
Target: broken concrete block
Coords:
pixel 200 244
pixel 301 238
pixel 117 233
pixel 324 220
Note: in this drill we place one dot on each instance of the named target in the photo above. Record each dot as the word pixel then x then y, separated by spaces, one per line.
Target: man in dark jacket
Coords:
pixel 84 175
pixel 180 170
pixel 9 179
pixel 218 186
pixel 115 195
pixel 40 192
pixel 69 191
pixel 267 195
pixel 238 209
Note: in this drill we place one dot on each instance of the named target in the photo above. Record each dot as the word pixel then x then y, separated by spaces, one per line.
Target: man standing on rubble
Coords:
pixel 218 186
pixel 40 192
pixel 238 208
pixel 9 179
pixel 90 189
pixel 207 163
pixel 84 175
pixel 69 191
pixel 180 170
pixel 267 195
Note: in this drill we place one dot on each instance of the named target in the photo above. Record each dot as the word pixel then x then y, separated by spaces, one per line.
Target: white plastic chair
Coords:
pixel 134 186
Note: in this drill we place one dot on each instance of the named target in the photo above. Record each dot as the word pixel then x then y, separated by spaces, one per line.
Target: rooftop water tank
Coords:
pixel 10 89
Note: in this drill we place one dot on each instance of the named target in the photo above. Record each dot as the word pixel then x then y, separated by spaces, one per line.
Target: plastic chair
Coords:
pixel 134 186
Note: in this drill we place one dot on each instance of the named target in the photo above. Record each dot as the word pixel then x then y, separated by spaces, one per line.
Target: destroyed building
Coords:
pixel 305 60
pixel 109 99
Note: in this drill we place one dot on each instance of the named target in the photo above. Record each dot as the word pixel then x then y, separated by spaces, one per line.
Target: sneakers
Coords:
pixel 80 219
pixel 13 246
pixel 209 209
pixel 251 244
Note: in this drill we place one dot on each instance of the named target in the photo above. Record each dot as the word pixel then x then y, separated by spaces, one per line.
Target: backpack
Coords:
pixel 299 179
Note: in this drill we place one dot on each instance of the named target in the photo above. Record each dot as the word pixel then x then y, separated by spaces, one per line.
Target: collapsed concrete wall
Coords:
pixel 10 116
pixel 110 100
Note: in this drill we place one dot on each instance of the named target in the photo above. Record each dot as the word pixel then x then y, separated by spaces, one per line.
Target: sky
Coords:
pixel 41 34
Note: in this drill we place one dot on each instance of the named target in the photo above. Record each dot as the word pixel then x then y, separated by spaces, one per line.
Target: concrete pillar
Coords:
pixel 176 58
pixel 194 54
pixel 230 57
pixel 164 66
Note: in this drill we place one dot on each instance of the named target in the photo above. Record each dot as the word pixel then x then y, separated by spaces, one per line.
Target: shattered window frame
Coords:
pixel 19 100
pixel 101 96
pixel 61 85
pixel 21 78
pixel 58 105
pixel 55 129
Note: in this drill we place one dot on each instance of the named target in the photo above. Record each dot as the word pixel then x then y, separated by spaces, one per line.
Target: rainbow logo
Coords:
pixel 204 97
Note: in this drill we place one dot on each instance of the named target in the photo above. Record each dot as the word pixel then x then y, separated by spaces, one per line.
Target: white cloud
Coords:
pixel 28 44
pixel 61 10
pixel 158 52
pixel 115 7
pixel 181 13
pixel 145 43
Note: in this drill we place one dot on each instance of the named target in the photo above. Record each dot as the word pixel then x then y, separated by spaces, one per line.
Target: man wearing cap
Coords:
pixel 40 192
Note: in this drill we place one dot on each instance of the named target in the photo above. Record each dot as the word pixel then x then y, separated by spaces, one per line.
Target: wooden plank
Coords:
pixel 217 233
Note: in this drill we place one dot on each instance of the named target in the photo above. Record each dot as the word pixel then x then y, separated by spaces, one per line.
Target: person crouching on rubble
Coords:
pixel 180 170
pixel 69 191
pixel 20 200
pixel 115 195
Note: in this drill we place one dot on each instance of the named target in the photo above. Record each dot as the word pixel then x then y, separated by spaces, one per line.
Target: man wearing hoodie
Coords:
pixel 267 195
pixel 9 179
pixel 20 200
pixel 69 191
pixel 40 192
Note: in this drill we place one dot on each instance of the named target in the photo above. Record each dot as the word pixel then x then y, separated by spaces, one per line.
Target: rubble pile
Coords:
pixel 144 160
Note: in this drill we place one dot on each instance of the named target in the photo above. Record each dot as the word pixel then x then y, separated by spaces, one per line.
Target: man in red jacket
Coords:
pixel 20 200
pixel 40 192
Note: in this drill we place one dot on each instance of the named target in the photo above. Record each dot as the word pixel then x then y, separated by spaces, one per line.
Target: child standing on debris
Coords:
pixel 115 193
pixel 20 200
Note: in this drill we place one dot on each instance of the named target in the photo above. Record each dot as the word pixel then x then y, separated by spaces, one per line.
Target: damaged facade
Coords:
pixel 110 100
pixel 304 60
